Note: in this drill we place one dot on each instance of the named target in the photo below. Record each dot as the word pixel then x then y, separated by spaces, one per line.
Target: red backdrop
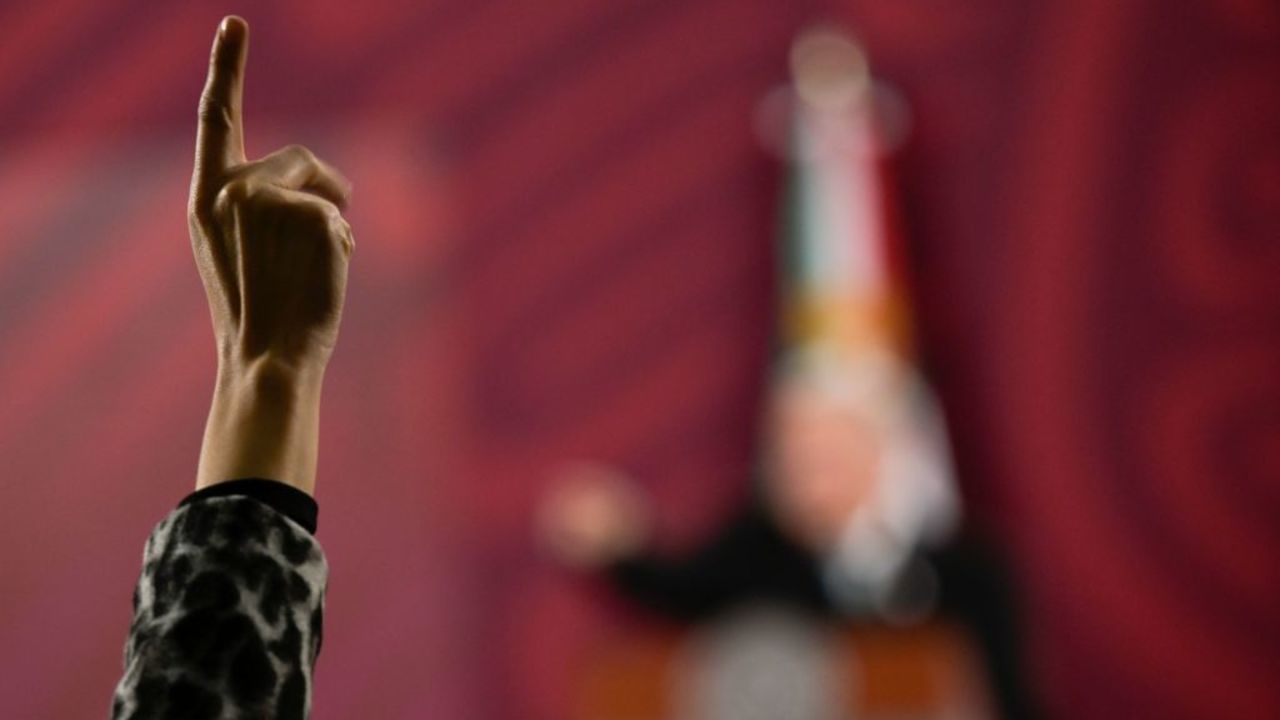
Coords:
pixel 565 232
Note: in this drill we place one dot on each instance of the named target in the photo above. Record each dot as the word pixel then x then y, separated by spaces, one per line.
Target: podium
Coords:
pixel 875 672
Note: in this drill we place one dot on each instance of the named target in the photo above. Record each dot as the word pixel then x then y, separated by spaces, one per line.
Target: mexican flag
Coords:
pixel 845 330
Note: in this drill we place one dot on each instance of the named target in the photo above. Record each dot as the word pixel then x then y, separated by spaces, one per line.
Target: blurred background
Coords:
pixel 567 228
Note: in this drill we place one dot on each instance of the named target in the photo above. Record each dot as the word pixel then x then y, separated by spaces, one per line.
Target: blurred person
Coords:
pixel 842 507
pixel 855 515
pixel 844 524
pixel 227 612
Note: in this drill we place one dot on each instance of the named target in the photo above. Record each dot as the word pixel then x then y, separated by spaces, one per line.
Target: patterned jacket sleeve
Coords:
pixel 226 616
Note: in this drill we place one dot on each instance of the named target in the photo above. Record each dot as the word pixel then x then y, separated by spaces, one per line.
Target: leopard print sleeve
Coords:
pixel 226 616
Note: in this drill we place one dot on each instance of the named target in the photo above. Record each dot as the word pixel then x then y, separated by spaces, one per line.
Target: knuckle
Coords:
pixel 348 238
pixel 340 234
pixel 232 195
pixel 327 220
pixel 198 213
pixel 214 112
pixel 301 152
pixel 316 216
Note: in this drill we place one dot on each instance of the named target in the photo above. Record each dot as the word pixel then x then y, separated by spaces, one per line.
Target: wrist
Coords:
pixel 263 422
pixel 267 380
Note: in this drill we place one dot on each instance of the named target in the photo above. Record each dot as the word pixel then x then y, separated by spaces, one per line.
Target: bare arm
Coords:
pixel 272 248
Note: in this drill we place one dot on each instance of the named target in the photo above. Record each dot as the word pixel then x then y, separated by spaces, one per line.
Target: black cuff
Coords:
pixel 284 499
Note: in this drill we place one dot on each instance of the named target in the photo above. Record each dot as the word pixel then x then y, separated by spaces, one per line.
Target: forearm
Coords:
pixel 264 422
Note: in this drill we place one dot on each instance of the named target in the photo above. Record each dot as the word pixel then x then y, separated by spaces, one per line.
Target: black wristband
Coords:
pixel 283 498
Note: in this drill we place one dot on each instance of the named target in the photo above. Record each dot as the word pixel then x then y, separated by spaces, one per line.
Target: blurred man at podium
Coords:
pixel 854 514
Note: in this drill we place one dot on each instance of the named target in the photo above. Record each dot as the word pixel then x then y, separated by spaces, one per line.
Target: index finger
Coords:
pixel 220 134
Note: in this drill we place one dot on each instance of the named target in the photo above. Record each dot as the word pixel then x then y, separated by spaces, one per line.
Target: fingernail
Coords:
pixel 229 24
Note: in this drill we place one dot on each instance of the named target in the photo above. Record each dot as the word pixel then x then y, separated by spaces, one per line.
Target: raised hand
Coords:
pixel 593 516
pixel 272 249
pixel 269 237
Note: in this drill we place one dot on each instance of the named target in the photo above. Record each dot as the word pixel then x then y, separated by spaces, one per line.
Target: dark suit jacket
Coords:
pixel 751 560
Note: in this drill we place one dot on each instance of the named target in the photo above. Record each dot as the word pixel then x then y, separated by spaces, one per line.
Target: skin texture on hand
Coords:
pixel 272 249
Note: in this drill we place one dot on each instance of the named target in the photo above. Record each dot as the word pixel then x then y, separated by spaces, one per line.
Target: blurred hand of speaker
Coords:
pixel 593 516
